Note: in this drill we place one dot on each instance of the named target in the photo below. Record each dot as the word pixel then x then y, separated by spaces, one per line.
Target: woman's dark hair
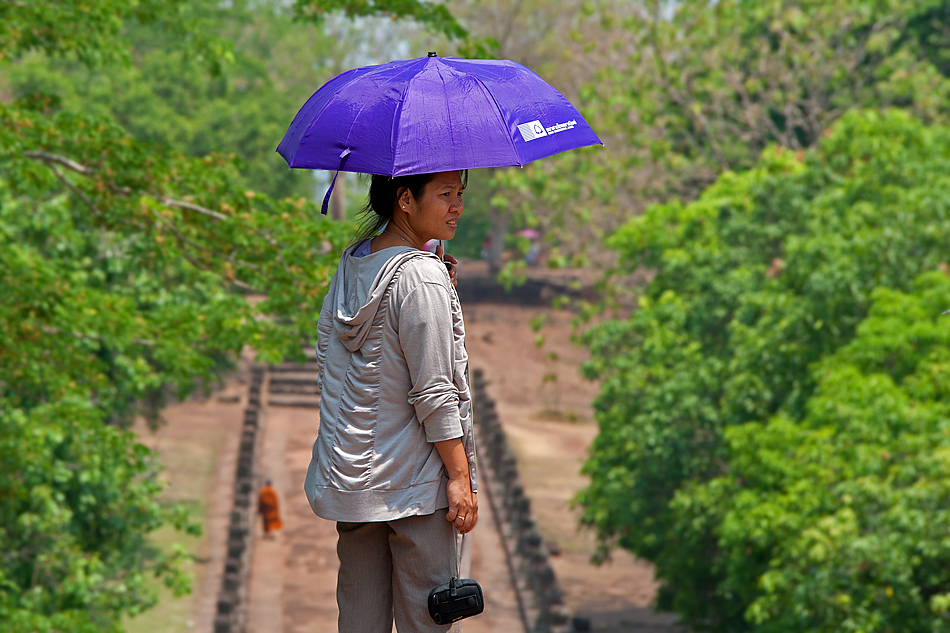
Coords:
pixel 383 191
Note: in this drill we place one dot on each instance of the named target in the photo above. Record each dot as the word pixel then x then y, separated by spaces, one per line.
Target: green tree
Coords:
pixel 92 33
pixel 434 15
pixel 236 109
pixel 681 92
pixel 761 287
pixel 837 521
pixel 78 499
pixel 124 265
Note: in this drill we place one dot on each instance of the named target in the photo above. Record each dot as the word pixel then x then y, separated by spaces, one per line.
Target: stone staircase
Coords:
pixel 294 384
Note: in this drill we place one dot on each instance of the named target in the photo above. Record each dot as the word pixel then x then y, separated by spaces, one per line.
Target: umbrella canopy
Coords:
pixel 433 114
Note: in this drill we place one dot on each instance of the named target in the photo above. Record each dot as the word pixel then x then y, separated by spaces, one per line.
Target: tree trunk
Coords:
pixel 497 233
pixel 338 198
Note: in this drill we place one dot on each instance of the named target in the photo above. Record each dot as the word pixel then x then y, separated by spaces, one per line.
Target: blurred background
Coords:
pixel 724 326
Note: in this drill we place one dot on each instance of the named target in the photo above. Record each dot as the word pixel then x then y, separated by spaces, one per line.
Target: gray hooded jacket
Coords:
pixel 393 379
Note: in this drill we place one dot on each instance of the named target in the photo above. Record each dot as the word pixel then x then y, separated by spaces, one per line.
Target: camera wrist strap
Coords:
pixel 459 546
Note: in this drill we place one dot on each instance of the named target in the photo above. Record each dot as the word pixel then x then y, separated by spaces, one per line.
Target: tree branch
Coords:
pixel 46 157
pixel 192 207
pixel 236 282
pixel 56 159
pixel 229 258
pixel 75 190
pixel 88 337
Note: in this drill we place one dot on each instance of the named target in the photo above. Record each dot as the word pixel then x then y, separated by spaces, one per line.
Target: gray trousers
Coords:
pixel 387 570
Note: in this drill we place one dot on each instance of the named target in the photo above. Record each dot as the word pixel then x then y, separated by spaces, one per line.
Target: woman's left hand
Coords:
pixel 453 264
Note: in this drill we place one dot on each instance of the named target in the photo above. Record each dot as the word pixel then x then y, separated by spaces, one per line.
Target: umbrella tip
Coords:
pixel 432 54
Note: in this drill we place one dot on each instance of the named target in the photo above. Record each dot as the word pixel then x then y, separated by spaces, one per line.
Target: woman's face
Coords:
pixel 435 215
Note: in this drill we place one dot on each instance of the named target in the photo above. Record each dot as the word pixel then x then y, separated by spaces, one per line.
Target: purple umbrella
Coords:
pixel 433 114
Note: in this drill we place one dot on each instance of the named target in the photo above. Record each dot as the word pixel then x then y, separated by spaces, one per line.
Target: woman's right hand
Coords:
pixel 463 504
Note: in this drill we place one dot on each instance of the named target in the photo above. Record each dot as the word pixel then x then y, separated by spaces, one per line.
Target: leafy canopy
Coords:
pixel 772 416
pixel 681 92
pixel 92 32
pixel 168 95
pixel 125 265
pixel 435 16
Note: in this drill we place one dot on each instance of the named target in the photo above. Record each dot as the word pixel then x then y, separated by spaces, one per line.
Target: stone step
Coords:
pixel 309 377
pixel 294 400
pixel 283 368
pixel 305 389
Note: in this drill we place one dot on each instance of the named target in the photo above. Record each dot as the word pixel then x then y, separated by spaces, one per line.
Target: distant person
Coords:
pixel 534 245
pixel 394 461
pixel 531 258
pixel 269 510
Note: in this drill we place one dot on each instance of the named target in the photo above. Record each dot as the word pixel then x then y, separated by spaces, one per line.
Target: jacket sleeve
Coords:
pixel 427 339
pixel 324 331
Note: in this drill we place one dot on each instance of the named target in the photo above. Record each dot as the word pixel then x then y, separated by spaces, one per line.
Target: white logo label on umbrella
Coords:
pixel 532 130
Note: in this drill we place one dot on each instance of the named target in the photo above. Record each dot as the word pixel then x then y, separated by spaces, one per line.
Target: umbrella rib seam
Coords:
pixel 394 130
pixel 363 107
pixel 499 111
pixel 326 105
pixel 447 110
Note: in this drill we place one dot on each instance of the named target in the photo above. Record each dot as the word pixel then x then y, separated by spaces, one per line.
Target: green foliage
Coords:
pixel 125 267
pixel 91 32
pixel 77 499
pixel 837 521
pixel 712 84
pixel 682 92
pixel 163 96
pixel 772 417
pixel 435 17
pixel 115 293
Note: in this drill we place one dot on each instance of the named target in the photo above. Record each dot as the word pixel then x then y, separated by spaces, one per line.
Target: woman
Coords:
pixel 396 445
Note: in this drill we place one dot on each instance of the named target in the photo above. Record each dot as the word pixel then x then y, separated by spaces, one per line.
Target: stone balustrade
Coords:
pixel 232 597
pixel 540 598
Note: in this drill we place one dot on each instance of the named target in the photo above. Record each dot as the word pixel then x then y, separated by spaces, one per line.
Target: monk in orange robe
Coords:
pixel 268 509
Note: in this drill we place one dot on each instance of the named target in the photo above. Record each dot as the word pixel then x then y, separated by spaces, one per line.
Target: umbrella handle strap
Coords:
pixel 326 198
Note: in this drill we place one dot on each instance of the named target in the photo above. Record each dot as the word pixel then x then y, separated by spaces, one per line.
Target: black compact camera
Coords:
pixel 456 599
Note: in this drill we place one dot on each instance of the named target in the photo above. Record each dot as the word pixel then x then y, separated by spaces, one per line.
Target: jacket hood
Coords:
pixel 359 288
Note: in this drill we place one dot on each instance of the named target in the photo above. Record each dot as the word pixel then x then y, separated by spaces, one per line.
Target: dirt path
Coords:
pixel 293 576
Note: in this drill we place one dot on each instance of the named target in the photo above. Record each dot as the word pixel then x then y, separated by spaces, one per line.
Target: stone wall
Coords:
pixel 539 595
pixel 232 598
